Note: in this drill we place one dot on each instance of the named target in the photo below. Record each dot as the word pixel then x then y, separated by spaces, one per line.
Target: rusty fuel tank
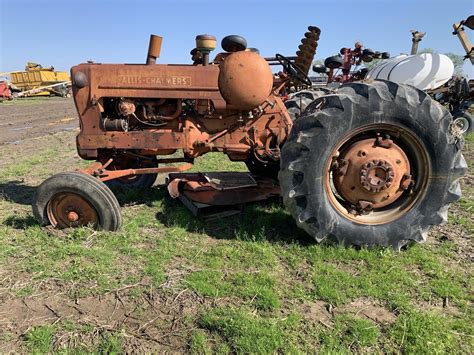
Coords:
pixel 245 80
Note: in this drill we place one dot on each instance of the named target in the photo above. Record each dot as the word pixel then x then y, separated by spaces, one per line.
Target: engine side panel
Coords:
pixel 195 131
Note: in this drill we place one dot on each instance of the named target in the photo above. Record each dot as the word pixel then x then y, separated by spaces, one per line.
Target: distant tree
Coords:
pixel 427 50
pixel 373 63
pixel 458 61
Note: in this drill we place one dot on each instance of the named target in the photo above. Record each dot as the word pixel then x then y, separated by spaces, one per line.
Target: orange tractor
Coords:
pixel 371 163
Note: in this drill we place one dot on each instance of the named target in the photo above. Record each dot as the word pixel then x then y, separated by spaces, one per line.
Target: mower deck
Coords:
pixel 220 194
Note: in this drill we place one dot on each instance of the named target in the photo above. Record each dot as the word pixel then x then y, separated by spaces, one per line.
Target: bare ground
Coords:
pixel 36 118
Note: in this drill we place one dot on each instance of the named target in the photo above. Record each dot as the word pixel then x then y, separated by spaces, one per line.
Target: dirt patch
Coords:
pixel 323 313
pixel 464 250
pixel 20 121
pixel 440 306
pixel 316 311
pixel 368 309
pixel 147 318
pixel 151 321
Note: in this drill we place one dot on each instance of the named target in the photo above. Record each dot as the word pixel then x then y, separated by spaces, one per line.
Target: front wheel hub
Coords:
pixel 68 209
pixel 373 173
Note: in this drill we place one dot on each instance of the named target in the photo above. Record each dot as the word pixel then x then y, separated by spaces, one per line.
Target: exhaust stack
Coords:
pixel 154 49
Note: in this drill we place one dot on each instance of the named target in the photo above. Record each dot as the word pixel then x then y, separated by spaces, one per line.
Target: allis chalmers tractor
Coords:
pixel 371 163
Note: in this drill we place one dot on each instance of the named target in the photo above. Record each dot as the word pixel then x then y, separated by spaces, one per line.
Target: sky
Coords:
pixel 63 33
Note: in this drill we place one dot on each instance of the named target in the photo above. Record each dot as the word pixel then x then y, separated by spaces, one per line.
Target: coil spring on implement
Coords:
pixel 307 49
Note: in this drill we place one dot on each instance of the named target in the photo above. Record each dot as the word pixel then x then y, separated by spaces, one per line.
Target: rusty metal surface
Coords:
pixel 307 49
pixel 70 210
pixel 106 175
pixel 245 80
pixel 416 39
pixel 199 134
pixel 371 170
pixel 146 81
pixel 154 49
pixel 196 187
pixel 229 180
pixel 154 110
pixel 466 43
pixel 100 171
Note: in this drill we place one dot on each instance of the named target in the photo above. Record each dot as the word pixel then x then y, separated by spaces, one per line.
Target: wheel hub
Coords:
pixel 72 216
pixel 462 123
pixel 68 209
pixel 370 172
pixel 376 175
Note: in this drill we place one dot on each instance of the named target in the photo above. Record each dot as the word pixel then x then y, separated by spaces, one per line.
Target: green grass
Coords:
pixel 39 339
pixel 418 332
pixel 24 166
pixel 350 334
pixel 252 273
pixel 70 338
pixel 247 333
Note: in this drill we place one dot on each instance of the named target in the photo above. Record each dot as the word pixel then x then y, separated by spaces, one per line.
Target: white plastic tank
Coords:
pixel 426 71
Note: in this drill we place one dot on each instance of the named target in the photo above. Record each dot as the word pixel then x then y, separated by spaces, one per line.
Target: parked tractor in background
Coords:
pixel 370 163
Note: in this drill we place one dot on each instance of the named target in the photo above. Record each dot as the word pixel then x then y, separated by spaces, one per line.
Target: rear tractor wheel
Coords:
pixel 75 199
pixel 372 165
pixel 297 102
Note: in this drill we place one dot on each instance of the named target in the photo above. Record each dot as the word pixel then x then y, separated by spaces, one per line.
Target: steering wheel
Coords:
pixel 293 70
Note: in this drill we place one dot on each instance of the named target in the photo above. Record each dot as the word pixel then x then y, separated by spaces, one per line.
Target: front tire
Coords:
pixel 74 199
pixel 345 200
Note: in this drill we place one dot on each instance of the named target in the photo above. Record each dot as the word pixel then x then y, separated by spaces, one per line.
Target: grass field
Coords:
pixel 252 283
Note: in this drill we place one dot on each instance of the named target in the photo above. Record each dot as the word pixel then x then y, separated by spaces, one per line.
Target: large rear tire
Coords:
pixel 297 102
pixel 348 149
pixel 74 199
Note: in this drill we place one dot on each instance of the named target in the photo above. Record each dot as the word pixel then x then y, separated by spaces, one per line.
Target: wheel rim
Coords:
pixel 462 123
pixel 68 209
pixel 376 174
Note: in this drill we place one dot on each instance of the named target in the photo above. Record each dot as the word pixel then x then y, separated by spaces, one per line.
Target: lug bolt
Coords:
pixel 364 207
pixel 342 167
pixel 406 182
